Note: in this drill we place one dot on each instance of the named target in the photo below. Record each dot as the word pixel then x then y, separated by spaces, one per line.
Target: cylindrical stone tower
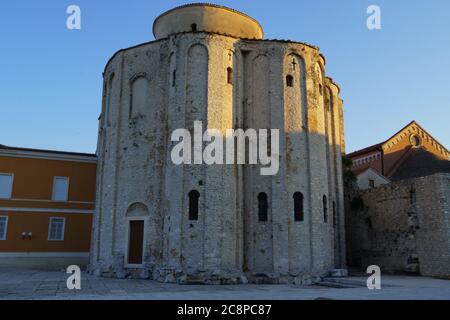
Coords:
pixel 219 223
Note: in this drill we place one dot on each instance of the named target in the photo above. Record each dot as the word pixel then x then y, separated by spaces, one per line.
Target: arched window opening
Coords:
pixel 194 27
pixel 174 77
pixel 325 209
pixel 289 80
pixel 298 206
pixel 138 96
pixel 320 89
pixel 262 207
pixel 108 99
pixel 230 75
pixel 111 79
pixel 194 196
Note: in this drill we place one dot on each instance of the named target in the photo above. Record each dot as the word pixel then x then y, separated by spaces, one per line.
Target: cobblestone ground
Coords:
pixel 32 284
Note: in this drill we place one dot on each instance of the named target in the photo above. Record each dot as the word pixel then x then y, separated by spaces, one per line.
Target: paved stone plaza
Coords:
pixel 32 284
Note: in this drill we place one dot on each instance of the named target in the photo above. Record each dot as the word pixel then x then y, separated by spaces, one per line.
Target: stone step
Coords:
pixel 262 280
pixel 347 282
pixel 193 282
pixel 337 285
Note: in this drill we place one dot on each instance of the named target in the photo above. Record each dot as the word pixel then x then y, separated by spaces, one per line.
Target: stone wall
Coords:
pixel 155 88
pixel 403 227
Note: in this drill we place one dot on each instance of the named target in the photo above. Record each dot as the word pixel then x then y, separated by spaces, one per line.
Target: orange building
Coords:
pixel 47 200
pixel 411 152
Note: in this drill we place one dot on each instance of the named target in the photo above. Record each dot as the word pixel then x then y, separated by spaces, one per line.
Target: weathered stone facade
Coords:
pixel 403 227
pixel 155 88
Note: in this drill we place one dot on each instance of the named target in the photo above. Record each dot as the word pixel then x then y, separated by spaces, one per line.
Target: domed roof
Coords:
pixel 204 17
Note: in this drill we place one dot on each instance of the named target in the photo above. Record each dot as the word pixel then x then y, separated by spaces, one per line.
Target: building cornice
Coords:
pixel 6 151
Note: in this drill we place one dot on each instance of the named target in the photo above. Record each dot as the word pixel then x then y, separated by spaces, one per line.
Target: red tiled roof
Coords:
pixel 365 150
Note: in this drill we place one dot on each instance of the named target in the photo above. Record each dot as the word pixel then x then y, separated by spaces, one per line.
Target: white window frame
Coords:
pixel 6 228
pixel 50 226
pixel 67 192
pixel 12 183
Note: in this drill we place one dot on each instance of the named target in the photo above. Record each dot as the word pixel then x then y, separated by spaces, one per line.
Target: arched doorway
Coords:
pixel 136 216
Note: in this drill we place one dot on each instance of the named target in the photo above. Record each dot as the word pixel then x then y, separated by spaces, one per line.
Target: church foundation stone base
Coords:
pixel 212 277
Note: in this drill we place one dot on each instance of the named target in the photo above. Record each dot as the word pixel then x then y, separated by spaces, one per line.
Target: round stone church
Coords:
pixel 218 223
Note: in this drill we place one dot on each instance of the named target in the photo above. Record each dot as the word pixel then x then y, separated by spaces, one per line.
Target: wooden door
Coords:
pixel 136 242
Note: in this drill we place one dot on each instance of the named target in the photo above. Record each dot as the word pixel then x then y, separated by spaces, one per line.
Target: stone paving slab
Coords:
pixel 32 284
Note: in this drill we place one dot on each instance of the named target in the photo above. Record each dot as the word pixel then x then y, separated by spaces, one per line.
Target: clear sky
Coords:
pixel 51 77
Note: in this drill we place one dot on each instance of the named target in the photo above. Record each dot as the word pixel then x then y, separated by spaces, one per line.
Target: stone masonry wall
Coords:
pixel 155 88
pixel 404 227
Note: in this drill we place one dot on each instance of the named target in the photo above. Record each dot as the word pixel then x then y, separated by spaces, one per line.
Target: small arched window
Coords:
pixel 194 27
pixel 325 209
pixel 289 80
pixel 320 89
pixel 174 78
pixel 262 207
pixel 108 99
pixel 138 96
pixel 194 196
pixel 230 75
pixel 111 79
pixel 298 206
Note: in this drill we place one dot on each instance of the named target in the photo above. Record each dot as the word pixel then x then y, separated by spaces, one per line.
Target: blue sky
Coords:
pixel 51 77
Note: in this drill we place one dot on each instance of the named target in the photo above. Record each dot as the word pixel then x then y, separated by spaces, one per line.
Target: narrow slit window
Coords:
pixel 194 196
pixel 298 206
pixel 289 81
pixel 174 77
pixel 412 196
pixel 334 214
pixel 325 209
pixel 230 75
pixel 262 207
pixel 194 27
